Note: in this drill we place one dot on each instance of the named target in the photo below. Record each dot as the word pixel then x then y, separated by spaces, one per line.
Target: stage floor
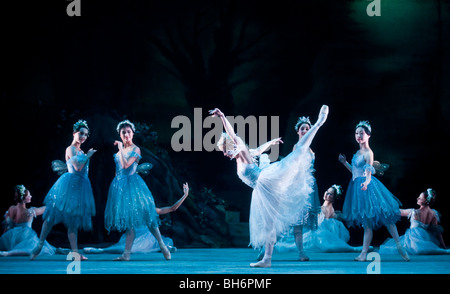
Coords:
pixel 226 261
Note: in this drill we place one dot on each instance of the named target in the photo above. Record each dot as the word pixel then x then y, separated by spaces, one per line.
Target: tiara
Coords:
pixel 126 122
pixel 364 123
pixel 338 189
pixel 80 124
pixel 302 120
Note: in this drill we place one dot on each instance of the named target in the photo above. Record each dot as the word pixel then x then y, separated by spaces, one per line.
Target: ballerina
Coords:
pixel 278 200
pixel 368 203
pixel 130 203
pixel 70 200
pixel 144 241
pixel 19 238
pixel 424 235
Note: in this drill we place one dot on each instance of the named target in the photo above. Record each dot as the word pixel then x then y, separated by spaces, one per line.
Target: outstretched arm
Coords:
pixel 261 149
pixel 169 209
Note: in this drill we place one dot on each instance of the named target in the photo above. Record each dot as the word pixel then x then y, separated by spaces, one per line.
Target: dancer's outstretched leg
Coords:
pixel 392 228
pixel 298 236
pixel 129 239
pixel 46 228
pixel 307 138
pixel 162 246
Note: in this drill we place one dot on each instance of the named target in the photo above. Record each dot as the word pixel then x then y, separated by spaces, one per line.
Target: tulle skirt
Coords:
pixel 130 204
pixel 71 201
pixel 415 241
pixel 23 239
pixel 281 198
pixel 376 206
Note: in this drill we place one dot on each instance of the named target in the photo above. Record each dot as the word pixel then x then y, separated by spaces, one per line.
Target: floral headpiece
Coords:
pixel 21 190
pixel 431 195
pixel 302 120
pixel 80 124
pixel 338 189
pixel 126 122
pixel 364 123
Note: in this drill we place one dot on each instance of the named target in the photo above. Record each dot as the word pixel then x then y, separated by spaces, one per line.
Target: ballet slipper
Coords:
pixel 124 257
pixel 323 114
pixel 402 252
pixel 36 250
pixel 303 257
pixel 166 253
pixel 361 257
pixel 262 263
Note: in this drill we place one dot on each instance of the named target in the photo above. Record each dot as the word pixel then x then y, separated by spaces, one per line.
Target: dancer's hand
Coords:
pixel 186 189
pixel 118 144
pixel 91 152
pixel 216 112
pixel 364 185
pixel 342 159
pixel 277 141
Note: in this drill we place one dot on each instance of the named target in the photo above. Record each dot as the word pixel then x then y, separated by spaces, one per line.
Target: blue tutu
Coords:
pixel 70 201
pixel 130 203
pixel 376 206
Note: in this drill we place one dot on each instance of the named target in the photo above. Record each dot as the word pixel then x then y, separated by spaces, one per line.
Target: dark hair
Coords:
pixel 20 192
pixel 79 125
pixel 366 129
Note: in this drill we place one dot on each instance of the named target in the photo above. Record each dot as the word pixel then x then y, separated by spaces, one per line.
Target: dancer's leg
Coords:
pixel 72 235
pixel 368 235
pixel 46 228
pixel 267 259
pixel 162 246
pixel 298 236
pixel 307 138
pixel 392 228
pixel 129 239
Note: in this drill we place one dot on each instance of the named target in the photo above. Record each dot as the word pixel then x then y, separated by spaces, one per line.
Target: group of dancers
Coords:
pixel 284 201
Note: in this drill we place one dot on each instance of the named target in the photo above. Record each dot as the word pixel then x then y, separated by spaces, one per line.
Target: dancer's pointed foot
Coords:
pixel 361 257
pixel 124 257
pixel 323 114
pixel 166 253
pixel 262 263
pixel 36 250
pixel 303 257
pixel 402 252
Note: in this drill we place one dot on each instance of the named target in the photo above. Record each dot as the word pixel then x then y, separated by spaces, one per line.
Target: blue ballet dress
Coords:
pixel 281 195
pixel 70 201
pixel 418 239
pixel 376 206
pixel 130 203
pixel 20 237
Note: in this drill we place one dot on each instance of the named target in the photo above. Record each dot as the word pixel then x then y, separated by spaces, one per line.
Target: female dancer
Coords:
pixel 368 202
pixel 19 238
pixel 144 242
pixel 130 203
pixel 278 199
pixel 424 235
pixel 70 201
pixel 310 218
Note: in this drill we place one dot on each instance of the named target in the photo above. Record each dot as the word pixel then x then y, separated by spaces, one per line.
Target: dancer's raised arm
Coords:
pixel 169 209
pixel 261 149
pixel 226 124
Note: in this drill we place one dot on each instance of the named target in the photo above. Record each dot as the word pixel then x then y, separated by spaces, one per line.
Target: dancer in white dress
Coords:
pixel 278 198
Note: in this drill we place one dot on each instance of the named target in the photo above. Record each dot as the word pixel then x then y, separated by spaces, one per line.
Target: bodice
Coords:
pixel 78 157
pixel 359 166
pixel 248 173
pixel 131 170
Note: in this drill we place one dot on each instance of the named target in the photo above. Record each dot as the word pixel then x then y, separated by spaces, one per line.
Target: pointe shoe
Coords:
pixel 402 252
pixel 303 257
pixel 323 114
pixel 36 250
pixel 261 263
pixel 361 257
pixel 166 253
pixel 124 257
